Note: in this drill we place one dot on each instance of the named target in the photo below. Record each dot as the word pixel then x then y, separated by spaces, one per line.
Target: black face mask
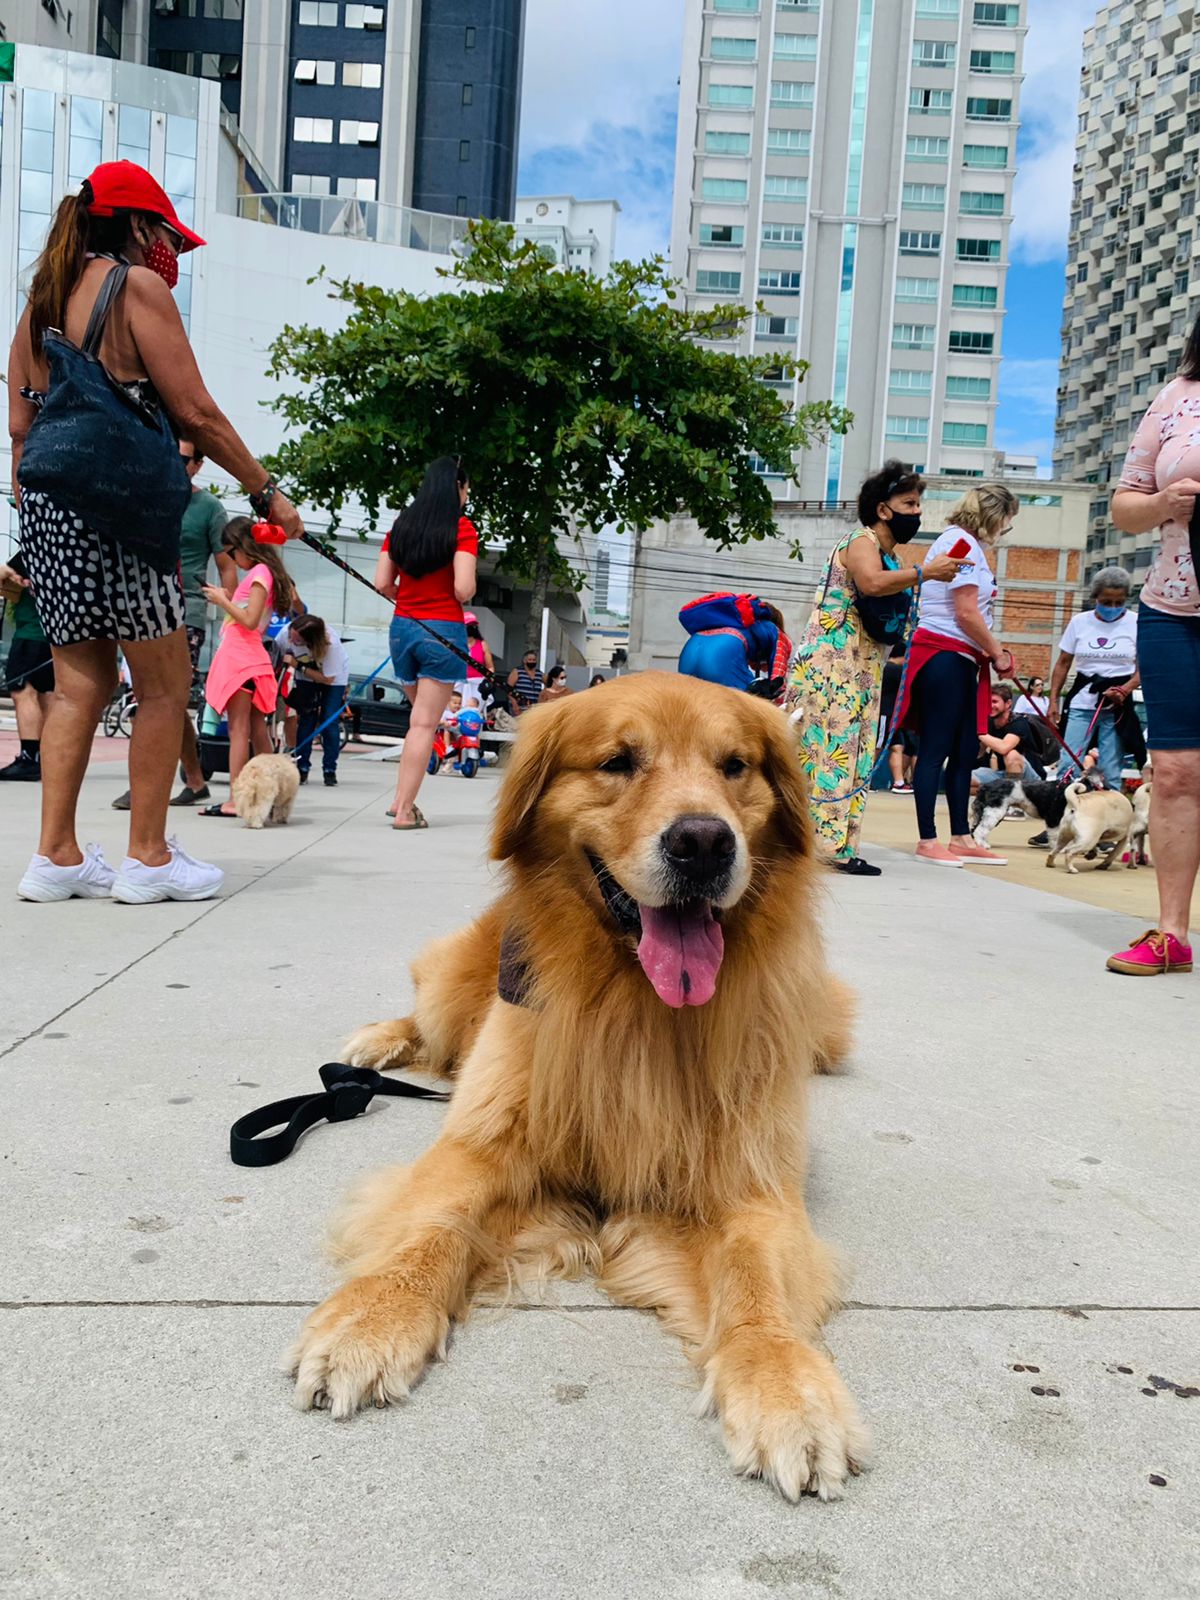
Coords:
pixel 904 526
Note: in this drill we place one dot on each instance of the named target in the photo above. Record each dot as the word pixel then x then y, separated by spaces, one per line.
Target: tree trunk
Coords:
pixel 537 597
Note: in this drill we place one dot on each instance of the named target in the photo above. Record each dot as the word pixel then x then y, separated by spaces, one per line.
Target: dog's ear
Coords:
pixel 781 763
pixel 534 756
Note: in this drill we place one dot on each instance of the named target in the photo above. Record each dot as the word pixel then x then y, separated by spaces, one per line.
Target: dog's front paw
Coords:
pixel 787 1415
pixel 382 1044
pixel 366 1345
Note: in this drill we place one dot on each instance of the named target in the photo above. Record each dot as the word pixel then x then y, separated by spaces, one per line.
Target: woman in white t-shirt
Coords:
pixel 947 691
pixel 322 675
pixel 1101 644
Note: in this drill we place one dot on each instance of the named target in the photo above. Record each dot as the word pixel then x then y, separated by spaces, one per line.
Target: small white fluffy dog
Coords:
pixel 1139 834
pixel 265 790
pixel 1093 815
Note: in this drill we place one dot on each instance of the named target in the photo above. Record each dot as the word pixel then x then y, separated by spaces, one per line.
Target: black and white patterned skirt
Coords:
pixel 89 588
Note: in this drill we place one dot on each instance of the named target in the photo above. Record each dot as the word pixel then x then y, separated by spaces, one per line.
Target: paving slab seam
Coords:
pixel 177 933
pixel 1072 1309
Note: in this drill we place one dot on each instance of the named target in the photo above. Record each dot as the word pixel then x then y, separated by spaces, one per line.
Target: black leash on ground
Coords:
pixel 487 684
pixel 347 1094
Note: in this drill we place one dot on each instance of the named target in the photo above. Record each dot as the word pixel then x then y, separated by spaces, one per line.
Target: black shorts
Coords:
pixel 903 739
pixel 29 666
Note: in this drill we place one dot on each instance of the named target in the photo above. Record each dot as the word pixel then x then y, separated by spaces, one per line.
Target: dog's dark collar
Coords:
pixel 622 907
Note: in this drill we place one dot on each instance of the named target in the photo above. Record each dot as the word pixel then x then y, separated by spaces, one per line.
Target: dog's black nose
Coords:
pixel 699 848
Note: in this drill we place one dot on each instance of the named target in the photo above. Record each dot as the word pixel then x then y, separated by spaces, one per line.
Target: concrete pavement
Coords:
pixel 1009 1168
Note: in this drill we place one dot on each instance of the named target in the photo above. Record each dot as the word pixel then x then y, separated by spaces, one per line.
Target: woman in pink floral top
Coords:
pixel 1158 489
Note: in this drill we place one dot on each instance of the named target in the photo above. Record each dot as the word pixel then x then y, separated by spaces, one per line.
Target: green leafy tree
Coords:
pixel 572 399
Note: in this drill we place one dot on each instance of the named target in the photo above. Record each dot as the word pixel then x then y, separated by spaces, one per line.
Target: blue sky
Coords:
pixel 598 121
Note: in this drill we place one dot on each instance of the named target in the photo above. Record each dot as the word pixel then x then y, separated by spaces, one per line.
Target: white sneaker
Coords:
pixel 92 879
pixel 181 878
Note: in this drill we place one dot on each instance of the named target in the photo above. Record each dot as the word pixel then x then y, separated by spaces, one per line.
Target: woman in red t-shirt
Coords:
pixel 427 566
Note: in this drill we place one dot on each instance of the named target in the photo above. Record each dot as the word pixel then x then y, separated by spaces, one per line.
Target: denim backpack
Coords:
pixel 103 452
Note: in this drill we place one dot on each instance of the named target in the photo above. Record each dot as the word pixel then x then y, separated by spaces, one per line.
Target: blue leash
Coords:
pixel 321 726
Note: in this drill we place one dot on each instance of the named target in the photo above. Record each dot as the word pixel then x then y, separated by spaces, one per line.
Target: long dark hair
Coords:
pixel 312 630
pixel 1189 367
pixel 74 234
pixel 237 535
pixel 893 477
pixel 424 536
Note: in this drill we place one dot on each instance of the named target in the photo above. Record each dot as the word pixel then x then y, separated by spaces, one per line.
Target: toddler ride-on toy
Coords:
pixel 461 740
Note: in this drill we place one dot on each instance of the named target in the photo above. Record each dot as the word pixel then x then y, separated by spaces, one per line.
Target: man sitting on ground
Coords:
pixel 1010 747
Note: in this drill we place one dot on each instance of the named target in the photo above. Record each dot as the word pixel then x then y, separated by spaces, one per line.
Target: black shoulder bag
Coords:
pixel 104 453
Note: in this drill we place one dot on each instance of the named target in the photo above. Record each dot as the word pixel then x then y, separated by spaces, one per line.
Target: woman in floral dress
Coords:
pixel 837 671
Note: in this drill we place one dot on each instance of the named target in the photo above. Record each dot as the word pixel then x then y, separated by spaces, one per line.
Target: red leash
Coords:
pixel 1026 691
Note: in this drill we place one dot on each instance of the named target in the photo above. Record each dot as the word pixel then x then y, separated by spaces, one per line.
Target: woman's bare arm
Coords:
pixel 464 577
pixel 21 412
pixel 1058 679
pixel 970 619
pixel 1135 512
pixel 387 575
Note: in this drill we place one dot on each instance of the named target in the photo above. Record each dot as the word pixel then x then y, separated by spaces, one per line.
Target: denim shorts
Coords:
pixel 1168 651
pixel 417 654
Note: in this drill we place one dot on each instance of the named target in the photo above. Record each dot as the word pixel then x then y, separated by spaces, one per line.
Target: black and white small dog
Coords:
pixel 1045 801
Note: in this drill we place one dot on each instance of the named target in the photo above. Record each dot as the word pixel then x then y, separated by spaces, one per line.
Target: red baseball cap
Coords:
pixel 124 186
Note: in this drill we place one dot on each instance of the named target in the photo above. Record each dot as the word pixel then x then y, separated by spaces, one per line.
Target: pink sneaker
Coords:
pixel 978 855
pixel 930 850
pixel 1153 953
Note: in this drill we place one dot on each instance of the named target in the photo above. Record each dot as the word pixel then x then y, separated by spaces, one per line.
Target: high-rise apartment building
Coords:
pixel 409 102
pixel 849 164
pixel 1132 290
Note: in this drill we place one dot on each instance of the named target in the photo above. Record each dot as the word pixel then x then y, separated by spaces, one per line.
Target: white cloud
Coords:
pixel 1032 384
pixel 598 109
pixel 1049 114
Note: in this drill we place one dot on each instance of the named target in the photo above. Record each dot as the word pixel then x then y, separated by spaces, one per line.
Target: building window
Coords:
pixel 468 94
pixel 968 388
pixel 768 327
pixel 796 46
pixel 783 235
pixel 773 281
pixel 796 95
pixel 964 343
pixel 932 53
pixel 925 196
pixel 912 336
pixel 931 102
pixel 937 8
pixel 980 203
pixel 978 250
pixel 369 17
pixel 995 61
pixel 309 183
pixel 715 282
pixel 460 206
pixel 915 289
pixel 356 188
pixel 792 190
pixel 985 155
pixel 312 130
pixel 919 242
pixel 730 94
pixel 362 74
pixel 922 147
pixel 986 110
pixel 975 294
pixel 811 6
pixel 908 427
pixel 468 44
pixel 319 13
pixel 735 5
pixel 722 235
pixel 971 433
pixel 351 131
pixel 989 15
pixel 717 142
pixel 464 149
pixel 724 189
pixel 907 380
pixel 315 72
pixel 788 141
pixel 723 47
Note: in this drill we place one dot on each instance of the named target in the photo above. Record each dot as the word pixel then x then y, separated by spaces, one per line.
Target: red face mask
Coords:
pixel 160 258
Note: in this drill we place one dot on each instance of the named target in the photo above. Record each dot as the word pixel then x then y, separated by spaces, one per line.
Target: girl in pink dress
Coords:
pixel 241 680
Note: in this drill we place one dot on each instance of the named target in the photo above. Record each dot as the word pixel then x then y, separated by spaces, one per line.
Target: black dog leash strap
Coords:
pixel 348 1092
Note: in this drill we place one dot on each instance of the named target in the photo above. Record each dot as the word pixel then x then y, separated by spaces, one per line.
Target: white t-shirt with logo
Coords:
pixel 937 601
pixel 1109 648
pixel 335 664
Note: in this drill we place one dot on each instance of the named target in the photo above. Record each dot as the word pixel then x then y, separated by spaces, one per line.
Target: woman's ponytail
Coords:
pixel 60 265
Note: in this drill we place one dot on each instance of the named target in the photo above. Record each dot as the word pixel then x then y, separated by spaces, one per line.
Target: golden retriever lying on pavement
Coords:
pixel 632 1097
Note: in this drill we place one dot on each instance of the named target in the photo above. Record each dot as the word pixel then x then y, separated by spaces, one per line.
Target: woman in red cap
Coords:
pixel 93 593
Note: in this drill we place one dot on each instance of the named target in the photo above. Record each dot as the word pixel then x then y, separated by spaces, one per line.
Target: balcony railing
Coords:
pixel 337 217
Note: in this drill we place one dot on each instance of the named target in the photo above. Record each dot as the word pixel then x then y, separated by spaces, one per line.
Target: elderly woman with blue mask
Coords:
pixel 1101 644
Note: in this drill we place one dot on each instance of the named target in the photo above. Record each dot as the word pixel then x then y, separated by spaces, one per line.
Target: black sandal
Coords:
pixel 215 811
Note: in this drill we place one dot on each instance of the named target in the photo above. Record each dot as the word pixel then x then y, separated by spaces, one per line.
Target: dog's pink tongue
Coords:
pixel 680 951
